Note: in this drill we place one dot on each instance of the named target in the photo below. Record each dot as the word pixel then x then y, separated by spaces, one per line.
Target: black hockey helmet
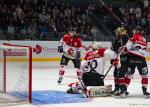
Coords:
pixel 73 29
pixel 138 28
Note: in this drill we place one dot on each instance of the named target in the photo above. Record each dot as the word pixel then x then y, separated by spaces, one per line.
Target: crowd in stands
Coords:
pixel 41 20
pixel 137 15
pixel 49 20
pixel 131 15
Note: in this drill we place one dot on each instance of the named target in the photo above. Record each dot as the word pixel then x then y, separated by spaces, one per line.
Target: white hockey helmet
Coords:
pixel 96 45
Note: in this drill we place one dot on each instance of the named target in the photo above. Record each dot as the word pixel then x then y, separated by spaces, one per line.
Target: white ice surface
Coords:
pixel 45 76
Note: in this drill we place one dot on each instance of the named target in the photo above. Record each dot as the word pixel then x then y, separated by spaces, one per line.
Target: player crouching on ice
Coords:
pixel 92 69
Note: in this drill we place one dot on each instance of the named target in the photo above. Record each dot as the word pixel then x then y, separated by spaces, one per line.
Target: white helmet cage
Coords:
pixel 96 45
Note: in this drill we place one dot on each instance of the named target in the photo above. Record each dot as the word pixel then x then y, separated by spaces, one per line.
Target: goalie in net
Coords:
pixel 92 68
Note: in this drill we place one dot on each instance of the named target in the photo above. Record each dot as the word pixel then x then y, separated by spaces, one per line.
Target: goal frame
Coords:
pixel 30 68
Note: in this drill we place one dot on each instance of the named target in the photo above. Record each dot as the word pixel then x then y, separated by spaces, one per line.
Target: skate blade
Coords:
pixel 119 96
pixel 113 94
pixel 146 97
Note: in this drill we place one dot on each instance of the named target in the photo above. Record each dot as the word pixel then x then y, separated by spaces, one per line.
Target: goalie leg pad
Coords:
pixel 99 91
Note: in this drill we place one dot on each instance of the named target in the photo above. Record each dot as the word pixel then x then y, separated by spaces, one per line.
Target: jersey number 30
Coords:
pixel 93 65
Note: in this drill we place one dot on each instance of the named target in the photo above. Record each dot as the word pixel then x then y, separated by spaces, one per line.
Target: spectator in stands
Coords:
pixel 11 29
pixel 146 4
pixel 10 32
pixel 94 32
pixel 22 13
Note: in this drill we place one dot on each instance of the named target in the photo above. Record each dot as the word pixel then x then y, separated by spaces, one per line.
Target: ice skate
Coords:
pixel 70 91
pixel 60 80
pixel 120 95
pixel 145 93
pixel 127 93
pixel 115 92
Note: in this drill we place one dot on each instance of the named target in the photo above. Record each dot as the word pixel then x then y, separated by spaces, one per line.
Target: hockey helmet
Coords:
pixel 72 32
pixel 73 29
pixel 121 31
pixel 96 45
pixel 137 29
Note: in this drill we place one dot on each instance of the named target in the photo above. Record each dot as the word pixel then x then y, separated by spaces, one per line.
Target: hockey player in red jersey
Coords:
pixel 71 45
pixel 92 69
pixel 136 47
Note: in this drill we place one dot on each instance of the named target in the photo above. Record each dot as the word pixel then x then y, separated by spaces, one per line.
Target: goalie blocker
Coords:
pixel 92 70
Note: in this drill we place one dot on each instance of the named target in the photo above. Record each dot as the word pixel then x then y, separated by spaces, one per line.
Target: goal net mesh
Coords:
pixel 15 74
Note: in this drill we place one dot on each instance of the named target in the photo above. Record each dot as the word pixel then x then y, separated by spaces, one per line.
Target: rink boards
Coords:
pixel 44 51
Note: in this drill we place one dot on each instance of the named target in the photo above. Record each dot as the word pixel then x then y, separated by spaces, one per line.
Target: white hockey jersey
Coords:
pixel 74 44
pixel 137 45
pixel 94 61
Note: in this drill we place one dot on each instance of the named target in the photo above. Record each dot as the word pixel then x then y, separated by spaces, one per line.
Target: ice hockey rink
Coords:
pixel 47 93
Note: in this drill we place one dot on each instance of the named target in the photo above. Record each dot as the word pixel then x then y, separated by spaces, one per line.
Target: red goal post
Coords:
pixel 15 73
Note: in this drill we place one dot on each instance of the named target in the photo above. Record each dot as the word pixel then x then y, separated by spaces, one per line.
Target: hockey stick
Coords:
pixel 113 61
pixel 107 71
pixel 83 88
pixel 83 93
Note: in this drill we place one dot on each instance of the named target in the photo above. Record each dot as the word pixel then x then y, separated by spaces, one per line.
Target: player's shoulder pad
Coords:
pixel 87 55
pixel 101 50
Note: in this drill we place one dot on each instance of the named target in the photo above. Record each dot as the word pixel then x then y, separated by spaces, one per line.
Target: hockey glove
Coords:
pixel 78 55
pixel 60 49
pixel 114 62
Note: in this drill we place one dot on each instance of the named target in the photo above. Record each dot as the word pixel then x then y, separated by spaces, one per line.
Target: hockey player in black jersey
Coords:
pixel 121 69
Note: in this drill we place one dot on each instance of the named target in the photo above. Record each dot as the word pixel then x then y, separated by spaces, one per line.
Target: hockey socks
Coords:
pixel 61 74
pixel 144 82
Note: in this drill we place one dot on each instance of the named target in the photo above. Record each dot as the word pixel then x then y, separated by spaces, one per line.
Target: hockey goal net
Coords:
pixel 15 74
